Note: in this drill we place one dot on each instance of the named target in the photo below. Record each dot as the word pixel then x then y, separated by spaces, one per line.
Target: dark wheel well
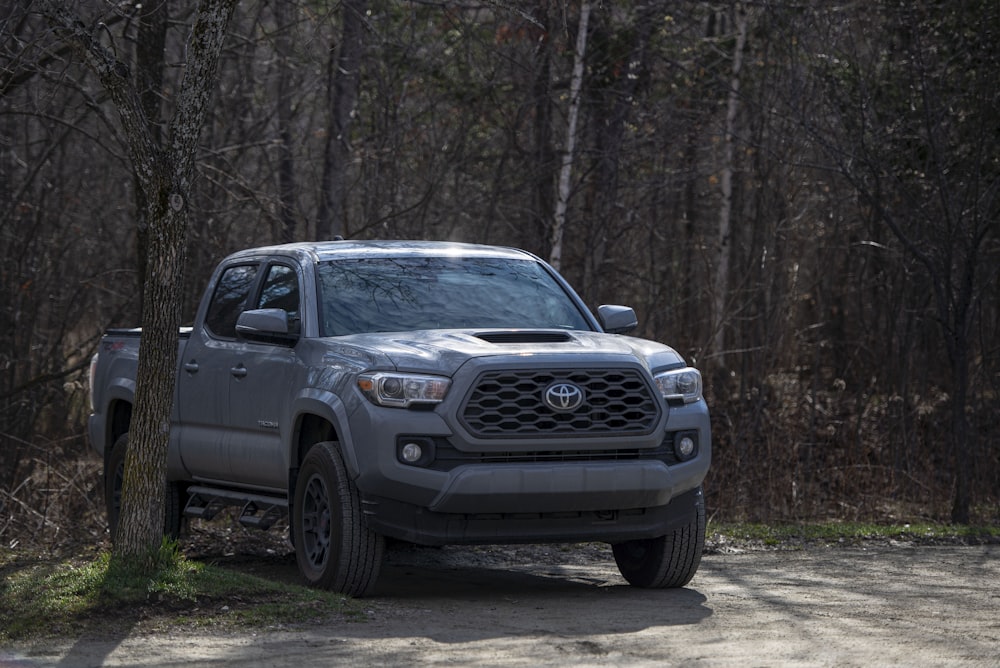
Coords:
pixel 312 430
pixel 121 418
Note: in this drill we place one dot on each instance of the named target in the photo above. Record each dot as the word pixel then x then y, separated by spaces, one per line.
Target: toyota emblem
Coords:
pixel 563 396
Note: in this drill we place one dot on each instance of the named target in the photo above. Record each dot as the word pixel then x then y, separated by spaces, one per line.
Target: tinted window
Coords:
pixel 400 294
pixel 281 290
pixel 230 299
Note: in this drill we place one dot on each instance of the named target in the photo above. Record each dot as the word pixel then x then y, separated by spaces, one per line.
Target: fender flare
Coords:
pixel 326 405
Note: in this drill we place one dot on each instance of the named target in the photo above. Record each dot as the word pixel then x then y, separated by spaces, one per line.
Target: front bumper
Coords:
pixel 423 526
pixel 601 489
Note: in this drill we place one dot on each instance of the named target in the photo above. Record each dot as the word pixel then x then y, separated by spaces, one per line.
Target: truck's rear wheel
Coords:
pixel 114 475
pixel 666 561
pixel 333 546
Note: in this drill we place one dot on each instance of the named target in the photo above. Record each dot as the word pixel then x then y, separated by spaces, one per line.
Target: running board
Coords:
pixel 258 511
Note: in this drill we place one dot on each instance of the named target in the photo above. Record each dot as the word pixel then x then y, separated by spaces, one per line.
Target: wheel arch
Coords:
pixel 310 430
pixel 320 416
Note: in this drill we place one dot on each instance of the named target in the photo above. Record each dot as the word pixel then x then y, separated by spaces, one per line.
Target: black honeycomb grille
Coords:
pixel 509 403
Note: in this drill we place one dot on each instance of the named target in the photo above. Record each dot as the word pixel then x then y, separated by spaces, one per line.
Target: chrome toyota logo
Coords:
pixel 563 396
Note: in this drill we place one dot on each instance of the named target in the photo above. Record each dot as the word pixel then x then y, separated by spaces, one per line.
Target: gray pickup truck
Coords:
pixel 434 393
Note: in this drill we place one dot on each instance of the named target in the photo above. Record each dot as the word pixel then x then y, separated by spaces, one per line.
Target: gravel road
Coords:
pixel 886 604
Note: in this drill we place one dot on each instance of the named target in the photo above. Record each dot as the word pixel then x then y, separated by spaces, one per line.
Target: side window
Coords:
pixel 281 290
pixel 230 299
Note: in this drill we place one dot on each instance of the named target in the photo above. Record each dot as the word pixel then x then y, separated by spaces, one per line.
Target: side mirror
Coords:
pixel 266 325
pixel 617 319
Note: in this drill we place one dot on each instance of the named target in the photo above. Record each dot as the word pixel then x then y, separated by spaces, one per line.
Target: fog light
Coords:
pixel 411 453
pixel 685 445
pixel 415 450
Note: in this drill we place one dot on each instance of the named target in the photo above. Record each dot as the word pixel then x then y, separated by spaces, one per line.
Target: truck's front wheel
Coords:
pixel 333 546
pixel 666 561
pixel 114 475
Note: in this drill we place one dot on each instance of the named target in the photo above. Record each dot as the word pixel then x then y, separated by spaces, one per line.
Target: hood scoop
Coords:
pixel 525 336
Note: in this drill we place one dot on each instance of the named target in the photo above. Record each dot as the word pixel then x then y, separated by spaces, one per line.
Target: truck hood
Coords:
pixel 444 351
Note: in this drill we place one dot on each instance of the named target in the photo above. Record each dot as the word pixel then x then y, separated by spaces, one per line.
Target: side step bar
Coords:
pixel 258 511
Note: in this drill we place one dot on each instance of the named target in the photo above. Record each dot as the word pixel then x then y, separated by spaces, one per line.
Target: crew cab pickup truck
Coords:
pixel 434 393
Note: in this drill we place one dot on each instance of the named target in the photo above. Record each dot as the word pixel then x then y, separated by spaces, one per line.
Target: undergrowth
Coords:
pixel 101 596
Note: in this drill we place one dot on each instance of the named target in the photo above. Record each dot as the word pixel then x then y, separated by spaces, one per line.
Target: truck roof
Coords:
pixel 320 251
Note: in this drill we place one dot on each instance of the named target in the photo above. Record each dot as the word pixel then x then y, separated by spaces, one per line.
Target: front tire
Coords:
pixel 334 547
pixel 666 561
pixel 114 475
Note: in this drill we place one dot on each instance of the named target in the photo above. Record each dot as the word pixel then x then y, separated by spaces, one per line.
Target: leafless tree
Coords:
pixel 828 207
pixel 164 173
pixel 910 125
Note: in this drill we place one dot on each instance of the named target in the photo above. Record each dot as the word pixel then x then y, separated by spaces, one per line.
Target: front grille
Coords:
pixel 509 403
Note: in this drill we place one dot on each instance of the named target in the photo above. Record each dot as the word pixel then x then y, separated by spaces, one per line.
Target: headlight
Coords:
pixel 401 390
pixel 680 385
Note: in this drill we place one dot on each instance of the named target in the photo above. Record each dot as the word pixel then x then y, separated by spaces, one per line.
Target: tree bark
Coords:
pixel 286 158
pixel 566 170
pixel 721 288
pixel 611 96
pixel 152 37
pixel 164 174
pixel 543 155
pixel 344 78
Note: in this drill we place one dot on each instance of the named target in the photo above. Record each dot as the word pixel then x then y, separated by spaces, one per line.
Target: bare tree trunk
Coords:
pixel 721 291
pixel 611 106
pixel 962 444
pixel 344 79
pixel 542 152
pixel 286 159
pixel 566 171
pixel 165 175
pixel 153 17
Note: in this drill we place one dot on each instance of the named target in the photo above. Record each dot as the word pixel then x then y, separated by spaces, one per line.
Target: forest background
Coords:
pixel 801 197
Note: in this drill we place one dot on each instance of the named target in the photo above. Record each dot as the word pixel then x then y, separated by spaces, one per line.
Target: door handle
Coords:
pixel 239 371
pixel 191 367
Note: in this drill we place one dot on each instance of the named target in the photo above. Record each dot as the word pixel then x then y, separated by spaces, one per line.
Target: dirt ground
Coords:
pixel 880 604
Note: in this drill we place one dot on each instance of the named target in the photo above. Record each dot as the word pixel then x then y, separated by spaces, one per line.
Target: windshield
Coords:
pixel 401 294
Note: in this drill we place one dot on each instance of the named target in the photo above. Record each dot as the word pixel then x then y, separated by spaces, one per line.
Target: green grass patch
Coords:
pixel 797 535
pixel 99 597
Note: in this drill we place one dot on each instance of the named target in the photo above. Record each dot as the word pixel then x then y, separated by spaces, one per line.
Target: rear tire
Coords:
pixel 114 474
pixel 665 561
pixel 334 547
